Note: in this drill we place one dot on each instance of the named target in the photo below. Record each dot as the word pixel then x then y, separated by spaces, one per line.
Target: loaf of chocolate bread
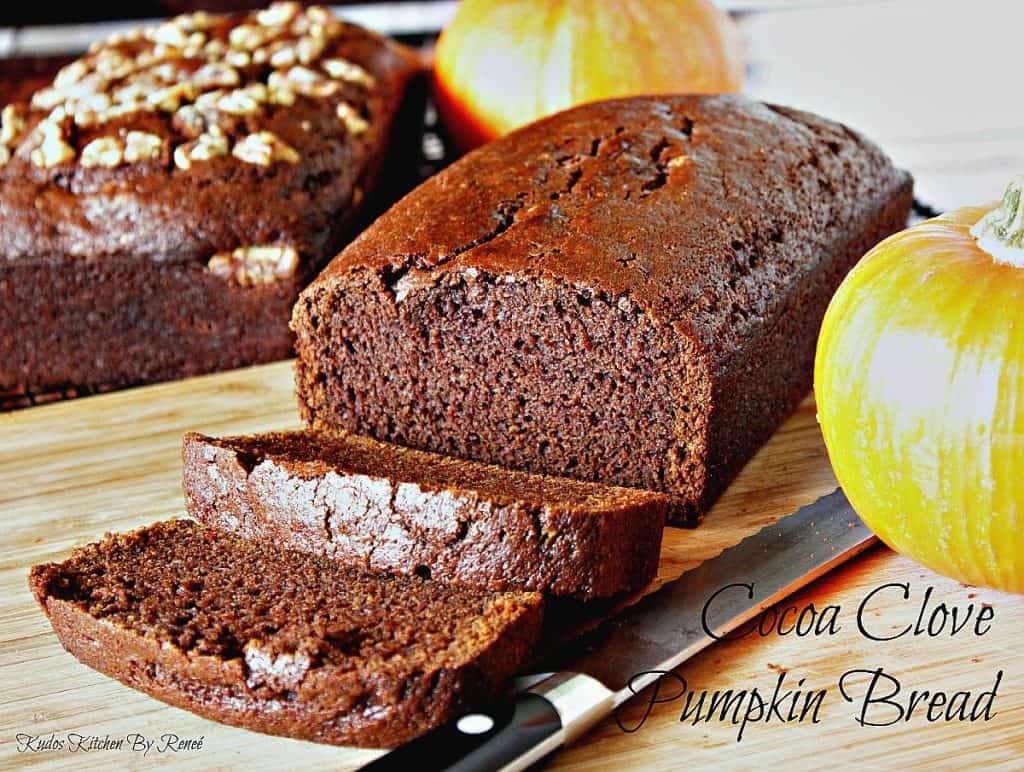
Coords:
pixel 627 292
pixel 164 200
pixel 283 642
pixel 366 503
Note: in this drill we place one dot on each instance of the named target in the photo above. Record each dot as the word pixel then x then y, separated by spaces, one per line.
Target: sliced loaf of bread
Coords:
pixel 627 292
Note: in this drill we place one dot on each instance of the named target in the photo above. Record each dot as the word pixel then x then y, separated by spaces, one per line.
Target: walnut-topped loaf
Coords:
pixel 627 292
pixel 163 201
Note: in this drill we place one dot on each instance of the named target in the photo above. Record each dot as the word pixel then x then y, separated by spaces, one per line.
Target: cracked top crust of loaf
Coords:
pixel 696 209
pixel 199 137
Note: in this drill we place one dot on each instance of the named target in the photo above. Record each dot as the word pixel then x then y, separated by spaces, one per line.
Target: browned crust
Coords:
pixel 215 689
pixel 369 709
pixel 758 392
pixel 603 546
pixel 122 322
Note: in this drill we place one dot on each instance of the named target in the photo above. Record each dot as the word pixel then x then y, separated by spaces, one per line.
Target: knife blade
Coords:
pixel 649 638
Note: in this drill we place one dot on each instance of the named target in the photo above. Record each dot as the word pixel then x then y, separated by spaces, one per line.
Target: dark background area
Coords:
pixel 16 14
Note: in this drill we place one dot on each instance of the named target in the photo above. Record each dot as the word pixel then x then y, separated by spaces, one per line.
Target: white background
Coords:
pixel 938 83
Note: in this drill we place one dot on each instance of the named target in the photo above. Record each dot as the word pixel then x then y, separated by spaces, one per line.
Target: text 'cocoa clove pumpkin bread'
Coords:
pixel 164 200
pixel 283 642
pixel 627 292
pixel 385 508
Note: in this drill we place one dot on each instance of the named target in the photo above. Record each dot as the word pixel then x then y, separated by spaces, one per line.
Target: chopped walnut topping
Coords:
pixel 322 23
pixel 111 64
pixel 355 124
pixel 57 116
pixel 216 75
pixel 283 54
pixel 147 58
pixel 278 80
pixel 203 74
pixel 104 151
pixel 308 49
pixel 71 74
pixel 13 120
pixel 309 82
pixel 90 106
pixel 169 33
pixel 116 111
pixel 113 151
pixel 214 50
pixel 281 96
pixel 264 148
pixel 278 14
pixel 189 121
pixel 208 100
pixel 169 73
pixel 169 99
pixel 210 146
pixel 53 150
pixel 132 93
pixel 142 146
pixel 238 58
pixel 243 101
pixel 182 157
pixel 248 37
pixel 47 99
pixel 206 147
pixel 317 14
pixel 342 69
pixel 300 25
pixel 198 21
pixel 256 265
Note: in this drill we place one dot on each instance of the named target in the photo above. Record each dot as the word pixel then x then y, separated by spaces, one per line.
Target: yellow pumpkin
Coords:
pixel 919 381
pixel 503 63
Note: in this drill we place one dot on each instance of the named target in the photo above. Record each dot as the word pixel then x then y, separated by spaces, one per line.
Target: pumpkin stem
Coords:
pixel 1001 231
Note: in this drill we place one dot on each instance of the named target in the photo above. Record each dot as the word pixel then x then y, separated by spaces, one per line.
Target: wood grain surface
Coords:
pixel 71 471
pixel 933 84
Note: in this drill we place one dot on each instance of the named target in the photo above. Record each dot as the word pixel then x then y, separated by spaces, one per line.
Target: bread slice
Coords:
pixel 283 642
pixel 386 508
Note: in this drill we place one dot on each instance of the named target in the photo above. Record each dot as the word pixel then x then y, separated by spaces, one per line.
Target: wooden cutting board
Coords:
pixel 71 471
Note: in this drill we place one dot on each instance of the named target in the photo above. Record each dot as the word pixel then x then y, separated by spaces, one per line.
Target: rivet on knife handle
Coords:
pixel 509 736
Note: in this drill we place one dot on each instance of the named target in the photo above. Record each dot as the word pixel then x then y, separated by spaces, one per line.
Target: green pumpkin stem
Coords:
pixel 1001 231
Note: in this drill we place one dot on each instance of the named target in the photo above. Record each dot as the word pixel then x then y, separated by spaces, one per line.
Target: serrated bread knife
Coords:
pixel 653 636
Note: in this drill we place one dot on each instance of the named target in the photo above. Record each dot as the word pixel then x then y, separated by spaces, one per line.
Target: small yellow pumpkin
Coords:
pixel 919 381
pixel 501 64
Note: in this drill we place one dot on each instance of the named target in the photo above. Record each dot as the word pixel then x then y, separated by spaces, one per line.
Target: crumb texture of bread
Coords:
pixel 628 292
pixel 170 192
pixel 385 508
pixel 283 642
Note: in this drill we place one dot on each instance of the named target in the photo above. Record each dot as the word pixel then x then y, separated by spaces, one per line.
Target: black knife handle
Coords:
pixel 512 735
pixel 466 745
